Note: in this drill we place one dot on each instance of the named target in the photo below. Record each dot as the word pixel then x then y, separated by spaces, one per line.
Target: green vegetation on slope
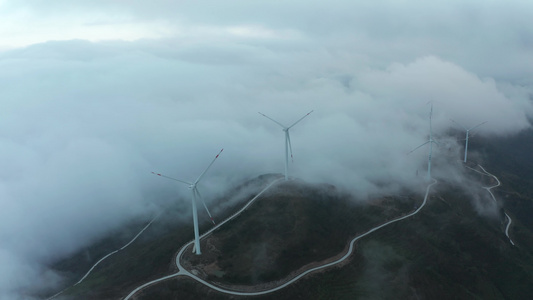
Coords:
pixel 150 256
pixel 292 225
pixel 447 251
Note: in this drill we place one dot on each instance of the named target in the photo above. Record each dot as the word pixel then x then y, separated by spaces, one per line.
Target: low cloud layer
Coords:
pixel 84 123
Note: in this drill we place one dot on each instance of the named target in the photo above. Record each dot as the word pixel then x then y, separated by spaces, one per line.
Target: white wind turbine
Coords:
pixel 195 194
pixel 467 135
pixel 287 140
pixel 431 141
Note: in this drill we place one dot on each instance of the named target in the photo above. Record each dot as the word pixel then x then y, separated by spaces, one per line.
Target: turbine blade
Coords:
pixel 299 120
pixel 458 124
pixel 272 120
pixel 477 125
pixel 430 116
pixel 418 147
pixel 290 145
pixel 203 173
pixel 172 178
pixel 205 206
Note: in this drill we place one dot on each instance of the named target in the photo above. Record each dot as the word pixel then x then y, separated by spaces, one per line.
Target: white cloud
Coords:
pixel 460 94
pixel 83 123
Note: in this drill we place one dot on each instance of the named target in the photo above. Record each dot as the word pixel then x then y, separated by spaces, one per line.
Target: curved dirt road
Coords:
pixel 488 188
pixel 183 272
pixel 108 255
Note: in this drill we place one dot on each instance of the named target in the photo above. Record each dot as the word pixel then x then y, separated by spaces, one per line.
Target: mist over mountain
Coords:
pixel 97 94
pixel 455 247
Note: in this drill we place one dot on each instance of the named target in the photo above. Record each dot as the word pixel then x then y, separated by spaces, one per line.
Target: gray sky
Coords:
pixel 97 94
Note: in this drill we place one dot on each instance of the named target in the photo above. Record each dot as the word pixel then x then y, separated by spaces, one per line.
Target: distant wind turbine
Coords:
pixel 467 134
pixel 195 194
pixel 431 141
pixel 288 145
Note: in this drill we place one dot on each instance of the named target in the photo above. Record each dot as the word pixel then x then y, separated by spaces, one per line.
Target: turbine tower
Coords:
pixel 195 194
pixel 288 146
pixel 431 141
pixel 467 135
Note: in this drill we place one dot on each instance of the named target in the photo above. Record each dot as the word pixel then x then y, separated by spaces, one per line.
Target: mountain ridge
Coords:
pixel 472 240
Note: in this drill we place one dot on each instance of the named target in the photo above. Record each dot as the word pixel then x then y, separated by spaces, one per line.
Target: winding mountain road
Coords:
pixel 108 255
pixel 183 272
pixel 488 188
pixel 494 198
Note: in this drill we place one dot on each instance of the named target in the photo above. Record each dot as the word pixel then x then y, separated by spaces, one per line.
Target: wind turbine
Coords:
pixel 467 134
pixel 431 141
pixel 288 145
pixel 194 189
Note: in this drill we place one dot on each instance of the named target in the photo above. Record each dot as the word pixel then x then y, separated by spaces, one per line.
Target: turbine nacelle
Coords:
pixel 430 141
pixel 195 195
pixel 467 135
pixel 288 146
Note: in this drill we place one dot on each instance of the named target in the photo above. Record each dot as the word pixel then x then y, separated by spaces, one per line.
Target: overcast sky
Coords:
pixel 97 94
